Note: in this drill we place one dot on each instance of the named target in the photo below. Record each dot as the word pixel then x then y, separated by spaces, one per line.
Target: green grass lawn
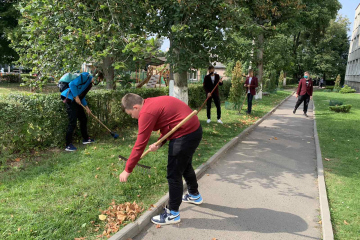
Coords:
pixel 339 135
pixel 57 195
pixel 6 88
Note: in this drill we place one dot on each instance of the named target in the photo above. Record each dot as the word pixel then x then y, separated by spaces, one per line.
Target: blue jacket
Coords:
pixel 77 86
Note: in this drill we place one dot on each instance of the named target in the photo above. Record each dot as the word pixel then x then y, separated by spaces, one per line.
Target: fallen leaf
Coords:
pixel 129 239
pixel 149 176
pixel 320 222
pixel 158 226
pixel 138 195
pixel 102 217
pixel 19 229
pixel 345 222
pixel 96 176
pixel 94 148
pixel 208 174
pixel 85 195
pixel 327 159
pixel 98 168
pixel 214 239
pixel 275 138
pixel 17 159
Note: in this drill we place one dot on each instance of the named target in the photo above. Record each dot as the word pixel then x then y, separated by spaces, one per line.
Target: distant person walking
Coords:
pixel 304 93
pixel 321 82
pixel 210 81
pixel 251 84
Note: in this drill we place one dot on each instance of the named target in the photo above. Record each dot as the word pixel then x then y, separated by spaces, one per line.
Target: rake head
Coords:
pixel 140 165
pixel 115 135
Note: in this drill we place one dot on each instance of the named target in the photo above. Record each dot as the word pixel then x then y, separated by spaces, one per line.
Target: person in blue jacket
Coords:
pixel 74 97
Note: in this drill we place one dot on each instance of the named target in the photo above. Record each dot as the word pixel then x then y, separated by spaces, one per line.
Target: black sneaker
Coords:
pixel 306 115
pixel 88 141
pixel 70 148
pixel 294 111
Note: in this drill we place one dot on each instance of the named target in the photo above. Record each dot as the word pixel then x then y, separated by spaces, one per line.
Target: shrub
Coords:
pixel 281 80
pixel 337 83
pixel 335 103
pixel 38 121
pixel 11 78
pixel 347 89
pixel 237 89
pixel 342 108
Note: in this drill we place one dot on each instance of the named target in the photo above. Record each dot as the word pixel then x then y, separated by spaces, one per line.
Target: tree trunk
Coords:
pixel 260 64
pixel 181 88
pixel 109 73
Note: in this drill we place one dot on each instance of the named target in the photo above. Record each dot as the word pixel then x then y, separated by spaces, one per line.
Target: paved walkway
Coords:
pixel 264 188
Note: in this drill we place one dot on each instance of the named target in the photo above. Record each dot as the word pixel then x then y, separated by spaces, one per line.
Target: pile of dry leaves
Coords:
pixel 116 215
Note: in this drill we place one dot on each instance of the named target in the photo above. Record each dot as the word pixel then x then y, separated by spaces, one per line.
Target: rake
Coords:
pixel 113 134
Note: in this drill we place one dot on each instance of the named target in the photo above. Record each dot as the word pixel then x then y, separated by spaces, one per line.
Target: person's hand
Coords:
pixel 77 100
pixel 310 97
pixel 245 85
pixel 209 95
pixel 296 95
pixel 124 176
pixel 220 80
pixel 153 147
pixel 88 110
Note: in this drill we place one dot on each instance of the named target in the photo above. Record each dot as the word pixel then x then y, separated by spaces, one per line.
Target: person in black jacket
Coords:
pixel 210 82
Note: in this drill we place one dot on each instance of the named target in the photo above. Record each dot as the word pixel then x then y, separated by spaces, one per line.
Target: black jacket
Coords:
pixel 209 86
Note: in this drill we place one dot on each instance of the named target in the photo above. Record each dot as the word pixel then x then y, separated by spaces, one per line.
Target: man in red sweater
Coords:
pixel 304 92
pixel 251 84
pixel 164 113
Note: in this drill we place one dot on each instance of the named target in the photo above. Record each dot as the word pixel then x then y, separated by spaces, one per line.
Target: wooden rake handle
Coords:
pixel 172 131
pixel 96 118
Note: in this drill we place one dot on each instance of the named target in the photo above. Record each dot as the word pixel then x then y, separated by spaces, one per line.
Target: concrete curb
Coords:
pixel 133 229
pixel 327 230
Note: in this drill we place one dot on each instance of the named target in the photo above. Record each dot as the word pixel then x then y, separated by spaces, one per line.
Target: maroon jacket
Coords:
pixel 209 86
pixel 160 113
pixel 303 89
pixel 254 84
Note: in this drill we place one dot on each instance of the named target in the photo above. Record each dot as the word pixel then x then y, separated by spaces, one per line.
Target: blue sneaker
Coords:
pixel 70 148
pixel 195 199
pixel 87 141
pixel 167 217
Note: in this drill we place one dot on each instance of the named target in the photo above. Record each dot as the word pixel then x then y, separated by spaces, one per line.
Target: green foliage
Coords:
pixel 237 89
pixel 270 81
pixel 343 108
pixel 35 84
pixel 335 103
pixel 11 78
pixel 347 89
pixel 38 121
pixel 337 83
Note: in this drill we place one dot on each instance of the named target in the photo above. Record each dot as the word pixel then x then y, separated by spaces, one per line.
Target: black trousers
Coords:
pixel 181 151
pixel 303 98
pixel 75 111
pixel 249 100
pixel 217 104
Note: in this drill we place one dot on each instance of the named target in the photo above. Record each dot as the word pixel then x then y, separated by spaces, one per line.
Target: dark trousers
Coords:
pixel 303 98
pixel 180 155
pixel 217 104
pixel 249 100
pixel 75 111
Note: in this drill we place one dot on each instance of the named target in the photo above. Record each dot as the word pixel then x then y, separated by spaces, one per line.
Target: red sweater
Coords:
pixel 160 113
pixel 303 89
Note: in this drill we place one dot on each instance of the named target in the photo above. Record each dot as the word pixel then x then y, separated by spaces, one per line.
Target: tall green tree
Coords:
pixel 8 21
pixel 58 36
pixel 331 53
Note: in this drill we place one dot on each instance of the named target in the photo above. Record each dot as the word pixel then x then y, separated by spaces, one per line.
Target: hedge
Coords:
pixel 342 108
pixel 38 121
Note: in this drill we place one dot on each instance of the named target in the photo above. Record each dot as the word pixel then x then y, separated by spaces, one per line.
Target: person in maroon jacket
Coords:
pixel 164 113
pixel 304 93
pixel 251 84
pixel 210 82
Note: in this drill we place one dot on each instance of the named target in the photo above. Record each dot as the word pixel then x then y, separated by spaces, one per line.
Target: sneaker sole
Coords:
pixel 68 150
pixel 87 143
pixel 197 203
pixel 168 223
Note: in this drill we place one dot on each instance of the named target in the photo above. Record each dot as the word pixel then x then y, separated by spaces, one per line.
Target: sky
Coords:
pixel 348 10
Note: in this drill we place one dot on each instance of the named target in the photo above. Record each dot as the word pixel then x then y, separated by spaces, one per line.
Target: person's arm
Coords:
pixel 256 83
pixel 299 88
pixel 220 80
pixel 146 126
